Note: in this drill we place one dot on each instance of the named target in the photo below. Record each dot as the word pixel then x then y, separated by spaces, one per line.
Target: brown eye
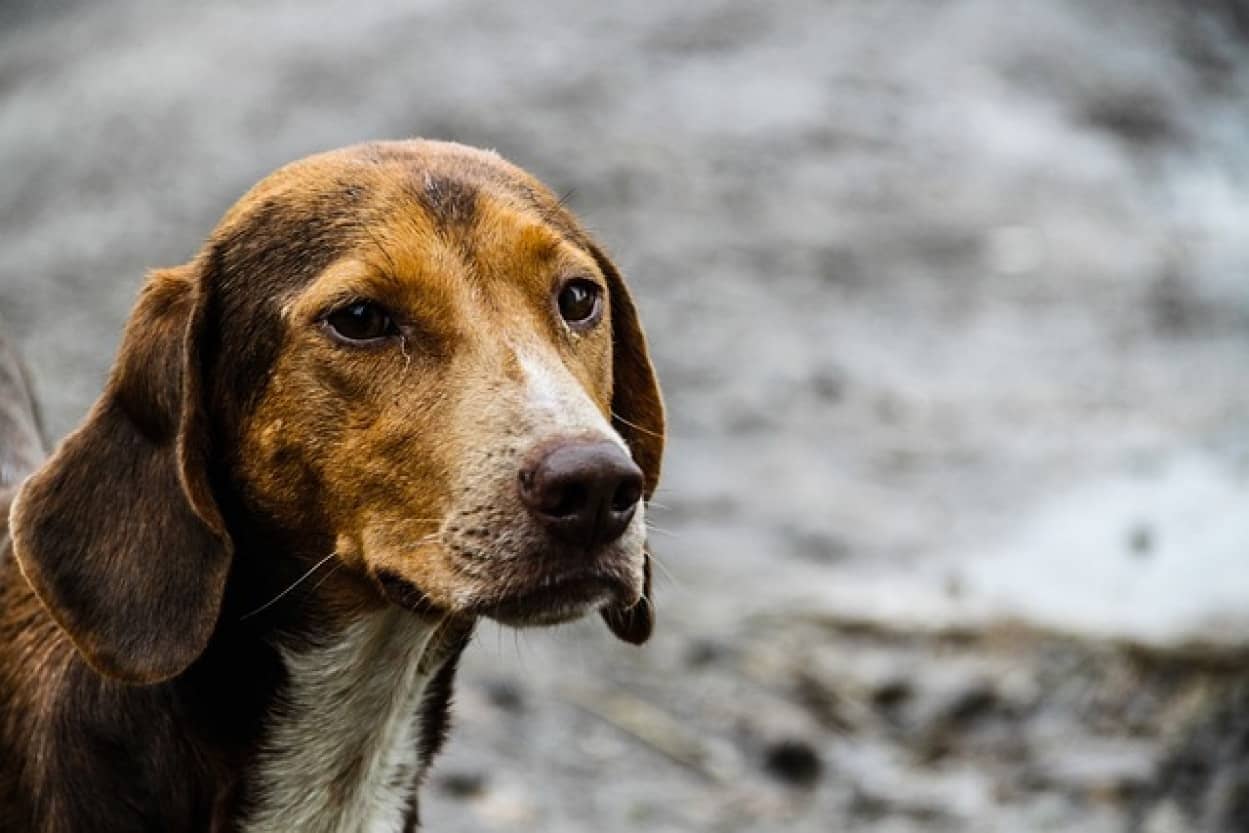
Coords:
pixel 362 322
pixel 580 302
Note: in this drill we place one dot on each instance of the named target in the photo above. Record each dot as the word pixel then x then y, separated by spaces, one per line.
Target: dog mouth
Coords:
pixel 558 599
pixel 529 588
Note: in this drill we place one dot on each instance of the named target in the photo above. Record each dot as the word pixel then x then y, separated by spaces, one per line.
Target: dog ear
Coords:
pixel 118 533
pixel 638 415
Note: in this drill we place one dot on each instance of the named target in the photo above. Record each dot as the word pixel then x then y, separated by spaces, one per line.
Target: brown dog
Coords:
pixel 399 388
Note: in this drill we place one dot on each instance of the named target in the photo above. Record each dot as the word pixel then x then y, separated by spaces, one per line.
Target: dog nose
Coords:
pixel 583 492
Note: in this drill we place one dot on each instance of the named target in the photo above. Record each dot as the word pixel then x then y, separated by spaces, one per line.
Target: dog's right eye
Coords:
pixel 361 322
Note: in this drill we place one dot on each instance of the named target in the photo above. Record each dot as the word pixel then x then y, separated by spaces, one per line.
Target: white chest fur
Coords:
pixel 341 755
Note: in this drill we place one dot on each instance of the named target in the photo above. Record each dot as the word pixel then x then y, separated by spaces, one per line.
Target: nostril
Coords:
pixel 627 494
pixel 568 501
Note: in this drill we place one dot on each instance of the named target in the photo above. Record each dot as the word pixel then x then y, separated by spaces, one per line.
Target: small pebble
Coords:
pixel 463 785
pixel 506 695
pixel 1141 540
pixel 704 652
pixel 794 762
pixel 891 694
pixel 970 703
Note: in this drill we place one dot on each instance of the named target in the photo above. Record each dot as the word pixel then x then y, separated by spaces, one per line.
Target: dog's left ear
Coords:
pixel 638 415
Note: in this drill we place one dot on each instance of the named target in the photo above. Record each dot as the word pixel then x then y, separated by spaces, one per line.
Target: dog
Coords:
pixel 398 389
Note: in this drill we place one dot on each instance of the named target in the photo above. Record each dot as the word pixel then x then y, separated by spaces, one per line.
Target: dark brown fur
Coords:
pixel 136 677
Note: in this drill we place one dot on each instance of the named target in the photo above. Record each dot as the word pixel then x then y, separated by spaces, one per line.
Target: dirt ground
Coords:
pixel 950 303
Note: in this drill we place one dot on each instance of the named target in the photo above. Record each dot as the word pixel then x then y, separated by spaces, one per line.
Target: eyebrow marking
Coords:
pixel 452 202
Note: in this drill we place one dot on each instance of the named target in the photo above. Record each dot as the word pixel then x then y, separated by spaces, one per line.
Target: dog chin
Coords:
pixel 557 601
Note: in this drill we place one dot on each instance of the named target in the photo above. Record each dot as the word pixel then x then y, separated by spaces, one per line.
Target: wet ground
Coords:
pixel 950 305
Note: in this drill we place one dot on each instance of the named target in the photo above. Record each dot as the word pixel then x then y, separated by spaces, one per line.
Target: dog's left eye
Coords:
pixel 580 303
pixel 361 322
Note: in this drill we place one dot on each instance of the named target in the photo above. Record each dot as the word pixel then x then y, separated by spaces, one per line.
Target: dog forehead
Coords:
pixel 295 222
pixel 444 177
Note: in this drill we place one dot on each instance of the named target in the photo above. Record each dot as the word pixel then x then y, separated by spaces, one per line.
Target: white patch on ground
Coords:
pixel 342 754
pixel 1155 558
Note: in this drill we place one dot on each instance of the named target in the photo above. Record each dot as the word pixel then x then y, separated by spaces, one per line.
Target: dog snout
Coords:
pixel 582 492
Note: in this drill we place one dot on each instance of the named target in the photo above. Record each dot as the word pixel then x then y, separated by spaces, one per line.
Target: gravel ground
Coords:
pixel 950 305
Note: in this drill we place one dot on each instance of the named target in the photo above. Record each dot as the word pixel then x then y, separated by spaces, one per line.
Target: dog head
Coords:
pixel 407 358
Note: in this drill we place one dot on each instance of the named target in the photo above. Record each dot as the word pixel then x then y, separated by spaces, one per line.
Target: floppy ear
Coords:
pixel 118 532
pixel 638 415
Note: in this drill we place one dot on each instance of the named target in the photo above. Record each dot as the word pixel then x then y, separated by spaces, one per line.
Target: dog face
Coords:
pixel 409 353
pixel 429 371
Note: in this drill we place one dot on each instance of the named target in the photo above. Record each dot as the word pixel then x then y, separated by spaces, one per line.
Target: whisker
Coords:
pixel 429 537
pixel 637 427
pixel 325 577
pixel 663 568
pixel 652 528
pixel 285 592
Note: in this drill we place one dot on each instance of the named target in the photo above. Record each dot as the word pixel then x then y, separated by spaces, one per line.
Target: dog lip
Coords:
pixel 557 599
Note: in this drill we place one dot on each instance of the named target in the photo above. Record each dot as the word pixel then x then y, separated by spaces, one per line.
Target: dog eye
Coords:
pixel 361 322
pixel 580 302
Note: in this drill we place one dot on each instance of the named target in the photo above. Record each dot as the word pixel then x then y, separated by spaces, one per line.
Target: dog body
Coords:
pixel 398 389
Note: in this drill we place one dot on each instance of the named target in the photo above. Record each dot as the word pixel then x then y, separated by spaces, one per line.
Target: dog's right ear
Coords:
pixel 118 533
pixel 638 415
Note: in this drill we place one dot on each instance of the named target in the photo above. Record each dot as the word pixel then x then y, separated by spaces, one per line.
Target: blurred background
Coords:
pixel 951 306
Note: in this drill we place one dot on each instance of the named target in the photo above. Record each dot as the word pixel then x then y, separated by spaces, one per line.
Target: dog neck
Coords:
pixel 353 729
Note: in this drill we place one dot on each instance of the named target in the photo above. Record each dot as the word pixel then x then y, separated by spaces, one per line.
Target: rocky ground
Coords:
pixel 950 304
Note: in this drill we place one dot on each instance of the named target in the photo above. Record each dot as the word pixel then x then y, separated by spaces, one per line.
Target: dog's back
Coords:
pixel 21 442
